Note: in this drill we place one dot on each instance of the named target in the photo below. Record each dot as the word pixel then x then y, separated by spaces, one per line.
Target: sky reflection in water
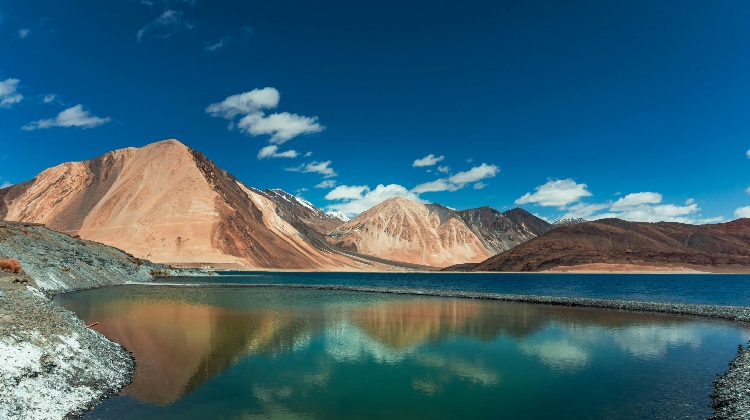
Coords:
pixel 237 352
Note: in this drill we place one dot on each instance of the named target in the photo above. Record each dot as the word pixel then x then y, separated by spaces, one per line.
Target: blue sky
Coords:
pixel 634 109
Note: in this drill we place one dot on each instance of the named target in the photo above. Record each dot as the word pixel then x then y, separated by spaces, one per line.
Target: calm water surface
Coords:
pixel 237 352
pixel 715 289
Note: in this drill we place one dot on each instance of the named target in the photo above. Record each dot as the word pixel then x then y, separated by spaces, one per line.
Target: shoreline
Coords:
pixel 730 313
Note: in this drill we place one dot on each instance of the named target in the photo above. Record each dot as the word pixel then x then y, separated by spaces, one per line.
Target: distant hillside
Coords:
pixel 614 241
pixel 430 234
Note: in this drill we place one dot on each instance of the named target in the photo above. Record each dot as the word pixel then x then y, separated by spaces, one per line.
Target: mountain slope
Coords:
pixel 614 241
pixel 499 232
pixel 168 203
pixel 528 222
pixel 402 230
pixel 310 215
pixel 429 234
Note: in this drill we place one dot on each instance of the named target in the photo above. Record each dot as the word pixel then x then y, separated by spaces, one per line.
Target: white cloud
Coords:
pixel 322 168
pixel 308 154
pixel 360 198
pixel 557 193
pixel 71 117
pixel 8 94
pixel 742 212
pixel 166 25
pixel 459 180
pixel 217 46
pixel 49 98
pixel 444 169
pixel 272 151
pixel 328 183
pixel 479 185
pixel 436 186
pixel 748 153
pixel 583 211
pixel 250 105
pixel 637 199
pixel 347 192
pixel 5 184
pixel 428 160
pixel 23 33
pixel 747 190
pixel 281 127
pixel 245 103
pixel 474 174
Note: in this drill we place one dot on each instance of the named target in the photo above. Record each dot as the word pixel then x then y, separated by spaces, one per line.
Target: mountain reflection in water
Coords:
pixel 184 337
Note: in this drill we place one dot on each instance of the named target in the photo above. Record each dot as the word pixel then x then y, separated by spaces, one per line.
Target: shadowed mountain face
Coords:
pixel 528 222
pixel 430 234
pixel 170 204
pixel 614 241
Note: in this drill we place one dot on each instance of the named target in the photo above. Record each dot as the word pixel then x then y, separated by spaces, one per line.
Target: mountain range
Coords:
pixel 170 204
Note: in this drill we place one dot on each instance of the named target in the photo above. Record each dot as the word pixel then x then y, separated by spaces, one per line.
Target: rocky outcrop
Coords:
pixel 51 364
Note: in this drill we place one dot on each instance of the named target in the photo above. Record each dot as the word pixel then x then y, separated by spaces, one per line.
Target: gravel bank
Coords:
pixel 731 399
pixel 51 365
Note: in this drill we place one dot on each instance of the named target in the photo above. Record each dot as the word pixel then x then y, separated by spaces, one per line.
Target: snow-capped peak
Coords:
pixel 338 215
pixel 569 221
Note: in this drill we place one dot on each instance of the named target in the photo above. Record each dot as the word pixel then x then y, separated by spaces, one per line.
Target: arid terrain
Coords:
pixel 616 245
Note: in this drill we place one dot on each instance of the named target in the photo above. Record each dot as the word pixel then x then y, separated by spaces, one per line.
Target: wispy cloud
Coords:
pixel 23 33
pixel 327 183
pixel 460 180
pixel 8 94
pixel 557 193
pixel 71 117
pixel 428 160
pixel 49 98
pixel 223 41
pixel 272 151
pixel 322 168
pixel 167 24
pixel 5 184
pixel 250 106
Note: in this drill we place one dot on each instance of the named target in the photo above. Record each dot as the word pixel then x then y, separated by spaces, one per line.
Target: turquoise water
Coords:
pixel 235 352
pixel 714 289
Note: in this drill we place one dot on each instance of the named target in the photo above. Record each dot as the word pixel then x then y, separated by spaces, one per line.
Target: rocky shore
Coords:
pixel 731 398
pixel 51 364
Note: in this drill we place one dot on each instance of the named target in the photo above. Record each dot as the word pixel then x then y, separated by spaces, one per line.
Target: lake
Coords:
pixel 241 352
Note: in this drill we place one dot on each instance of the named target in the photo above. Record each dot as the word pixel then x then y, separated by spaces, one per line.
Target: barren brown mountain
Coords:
pixel 428 234
pixel 718 247
pixel 169 203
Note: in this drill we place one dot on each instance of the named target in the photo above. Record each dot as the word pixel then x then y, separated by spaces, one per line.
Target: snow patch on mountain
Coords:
pixel 338 215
